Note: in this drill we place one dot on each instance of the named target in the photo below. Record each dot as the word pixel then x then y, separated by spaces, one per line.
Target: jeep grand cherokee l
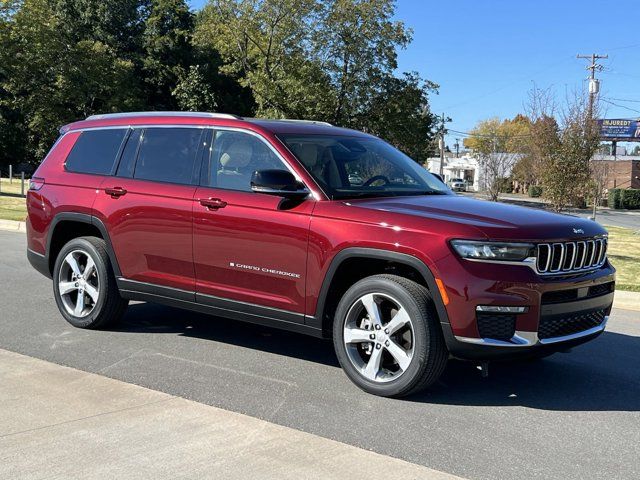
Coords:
pixel 258 220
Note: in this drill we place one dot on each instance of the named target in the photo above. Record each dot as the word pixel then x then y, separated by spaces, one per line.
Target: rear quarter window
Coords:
pixel 95 151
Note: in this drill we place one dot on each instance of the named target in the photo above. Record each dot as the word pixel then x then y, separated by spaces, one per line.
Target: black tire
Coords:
pixel 430 354
pixel 110 306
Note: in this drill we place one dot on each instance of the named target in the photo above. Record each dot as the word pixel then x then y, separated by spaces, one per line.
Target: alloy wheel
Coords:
pixel 379 337
pixel 78 283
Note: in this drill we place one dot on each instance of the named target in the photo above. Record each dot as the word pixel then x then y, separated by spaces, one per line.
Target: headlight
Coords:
pixel 493 251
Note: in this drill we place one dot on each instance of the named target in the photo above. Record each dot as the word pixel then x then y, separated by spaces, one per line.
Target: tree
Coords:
pixel 356 45
pixel 564 148
pixel 116 23
pixel 168 56
pixel 498 145
pixel 325 60
pixel 53 79
pixel 193 92
pixel 399 113
pixel 266 45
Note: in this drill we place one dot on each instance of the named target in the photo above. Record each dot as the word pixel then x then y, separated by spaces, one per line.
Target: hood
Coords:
pixel 495 220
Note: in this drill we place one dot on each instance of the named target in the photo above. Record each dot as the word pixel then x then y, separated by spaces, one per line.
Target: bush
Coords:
pixel 535 191
pixel 613 200
pixel 504 184
pixel 628 198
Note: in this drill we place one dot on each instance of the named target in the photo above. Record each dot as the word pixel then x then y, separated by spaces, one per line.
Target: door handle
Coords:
pixel 213 203
pixel 115 192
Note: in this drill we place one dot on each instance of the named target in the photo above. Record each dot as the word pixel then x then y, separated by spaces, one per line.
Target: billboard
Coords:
pixel 619 129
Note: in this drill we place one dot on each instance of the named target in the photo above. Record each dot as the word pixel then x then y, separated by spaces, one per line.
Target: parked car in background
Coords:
pixel 458 185
pixel 258 221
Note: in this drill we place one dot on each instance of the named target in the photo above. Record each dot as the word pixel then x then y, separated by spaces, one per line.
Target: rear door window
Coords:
pixel 168 155
pixel 95 151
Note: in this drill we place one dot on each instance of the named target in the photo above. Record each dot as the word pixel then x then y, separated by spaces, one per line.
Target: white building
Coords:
pixel 465 167
pixel 469 168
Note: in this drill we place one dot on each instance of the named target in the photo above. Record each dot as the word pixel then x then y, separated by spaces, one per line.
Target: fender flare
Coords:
pixel 378 254
pixel 88 219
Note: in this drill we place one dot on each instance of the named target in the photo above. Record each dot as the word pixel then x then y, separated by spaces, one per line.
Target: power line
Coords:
pixel 621 106
pixel 485 135
pixel 506 85
pixel 623 100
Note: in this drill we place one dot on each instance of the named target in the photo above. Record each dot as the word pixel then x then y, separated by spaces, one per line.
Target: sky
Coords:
pixel 487 54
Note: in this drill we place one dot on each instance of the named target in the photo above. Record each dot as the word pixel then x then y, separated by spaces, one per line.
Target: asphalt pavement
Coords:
pixel 571 416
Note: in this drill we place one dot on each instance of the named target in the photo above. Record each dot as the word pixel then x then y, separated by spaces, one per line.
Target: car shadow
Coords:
pixel 602 375
pixel 155 318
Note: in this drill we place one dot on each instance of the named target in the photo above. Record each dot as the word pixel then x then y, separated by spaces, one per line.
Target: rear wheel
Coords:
pixel 387 336
pixel 84 285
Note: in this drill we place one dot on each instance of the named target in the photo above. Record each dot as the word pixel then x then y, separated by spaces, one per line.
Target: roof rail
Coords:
pixel 105 116
pixel 313 122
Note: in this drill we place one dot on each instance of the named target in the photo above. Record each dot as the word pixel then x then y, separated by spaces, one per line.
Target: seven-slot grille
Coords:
pixel 571 257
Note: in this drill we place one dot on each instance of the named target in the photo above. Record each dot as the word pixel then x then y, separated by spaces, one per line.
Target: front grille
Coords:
pixel 571 257
pixel 561 296
pixel 559 326
pixel 496 325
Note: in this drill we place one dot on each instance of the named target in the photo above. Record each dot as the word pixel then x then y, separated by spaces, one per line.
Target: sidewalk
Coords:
pixel 57 422
pixel 13 226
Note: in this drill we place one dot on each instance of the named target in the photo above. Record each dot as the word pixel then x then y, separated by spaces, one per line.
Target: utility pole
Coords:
pixel 441 144
pixel 594 85
pixel 457 145
pixel 594 89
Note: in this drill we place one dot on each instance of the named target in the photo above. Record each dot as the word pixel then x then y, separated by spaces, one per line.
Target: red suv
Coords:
pixel 312 228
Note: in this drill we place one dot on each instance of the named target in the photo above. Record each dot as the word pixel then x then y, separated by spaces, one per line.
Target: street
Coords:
pixel 605 216
pixel 572 416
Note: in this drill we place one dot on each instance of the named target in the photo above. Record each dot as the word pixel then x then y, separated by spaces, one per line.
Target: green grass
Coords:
pixel 624 255
pixel 12 187
pixel 13 208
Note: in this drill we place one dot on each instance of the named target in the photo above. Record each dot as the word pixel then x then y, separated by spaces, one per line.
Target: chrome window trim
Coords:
pixel 212 127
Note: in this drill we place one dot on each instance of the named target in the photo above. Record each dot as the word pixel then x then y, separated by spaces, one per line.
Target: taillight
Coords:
pixel 36 183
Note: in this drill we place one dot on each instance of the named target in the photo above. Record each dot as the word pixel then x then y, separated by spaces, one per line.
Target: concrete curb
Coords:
pixel 627 300
pixel 13 226
pixel 130 432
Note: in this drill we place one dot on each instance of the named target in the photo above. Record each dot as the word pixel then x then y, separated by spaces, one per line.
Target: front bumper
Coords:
pixel 558 312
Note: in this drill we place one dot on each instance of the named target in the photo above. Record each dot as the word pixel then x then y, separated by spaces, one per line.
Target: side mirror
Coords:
pixel 281 183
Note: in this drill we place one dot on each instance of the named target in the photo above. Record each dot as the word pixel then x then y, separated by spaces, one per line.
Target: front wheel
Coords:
pixel 84 285
pixel 387 336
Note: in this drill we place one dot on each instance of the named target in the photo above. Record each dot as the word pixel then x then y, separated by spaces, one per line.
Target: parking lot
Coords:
pixel 571 416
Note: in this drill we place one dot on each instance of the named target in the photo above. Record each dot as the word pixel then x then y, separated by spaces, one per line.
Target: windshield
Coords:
pixel 352 167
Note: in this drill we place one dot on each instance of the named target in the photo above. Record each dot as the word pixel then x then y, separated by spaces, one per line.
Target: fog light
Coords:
pixel 500 309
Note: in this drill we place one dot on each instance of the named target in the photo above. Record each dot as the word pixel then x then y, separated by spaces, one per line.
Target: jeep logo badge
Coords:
pixel 578 230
